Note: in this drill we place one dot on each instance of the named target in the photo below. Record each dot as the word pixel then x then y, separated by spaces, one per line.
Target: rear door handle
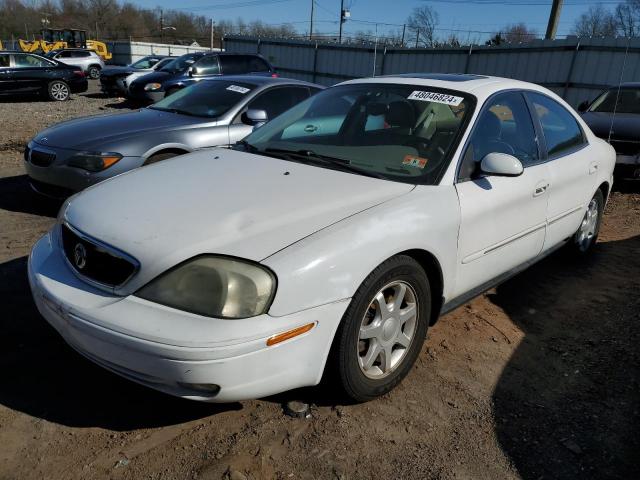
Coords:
pixel 593 168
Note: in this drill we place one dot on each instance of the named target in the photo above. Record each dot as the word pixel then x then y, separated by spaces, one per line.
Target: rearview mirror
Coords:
pixel 255 117
pixel 501 164
pixel 583 106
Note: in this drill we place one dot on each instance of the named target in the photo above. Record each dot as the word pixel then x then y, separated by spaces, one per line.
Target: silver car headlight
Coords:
pixel 94 161
pixel 214 286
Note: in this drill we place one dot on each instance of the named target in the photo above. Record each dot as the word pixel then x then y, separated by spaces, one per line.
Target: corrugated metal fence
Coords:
pixel 576 69
pixel 128 52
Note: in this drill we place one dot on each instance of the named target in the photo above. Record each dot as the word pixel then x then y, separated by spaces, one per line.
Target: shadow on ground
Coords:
pixel 567 404
pixel 43 377
pixel 17 196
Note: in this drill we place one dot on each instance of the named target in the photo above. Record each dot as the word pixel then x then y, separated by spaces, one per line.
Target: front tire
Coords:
pixel 585 238
pixel 58 91
pixel 383 329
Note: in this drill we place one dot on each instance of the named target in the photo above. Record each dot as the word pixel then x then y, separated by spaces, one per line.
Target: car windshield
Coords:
pixel 209 99
pixel 398 132
pixel 146 62
pixel 52 53
pixel 180 63
pixel 628 101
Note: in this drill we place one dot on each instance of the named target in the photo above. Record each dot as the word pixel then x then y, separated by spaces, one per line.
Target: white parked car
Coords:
pixel 328 240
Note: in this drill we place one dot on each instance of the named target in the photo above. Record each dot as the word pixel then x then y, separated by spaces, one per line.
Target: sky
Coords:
pixel 467 18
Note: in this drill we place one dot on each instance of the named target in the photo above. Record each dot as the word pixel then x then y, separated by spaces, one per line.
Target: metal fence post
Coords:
pixel 570 74
pixel 258 46
pixel 466 65
pixel 315 62
pixel 384 55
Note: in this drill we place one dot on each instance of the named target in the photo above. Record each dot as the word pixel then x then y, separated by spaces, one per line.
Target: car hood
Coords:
pixel 626 126
pixel 222 202
pixel 92 133
pixel 118 71
pixel 156 77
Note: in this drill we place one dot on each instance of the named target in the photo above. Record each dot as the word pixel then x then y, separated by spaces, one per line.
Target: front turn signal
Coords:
pixel 294 332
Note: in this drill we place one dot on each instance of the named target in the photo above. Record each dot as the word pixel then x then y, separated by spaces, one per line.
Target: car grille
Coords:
pixel 40 159
pixel 96 261
pixel 626 147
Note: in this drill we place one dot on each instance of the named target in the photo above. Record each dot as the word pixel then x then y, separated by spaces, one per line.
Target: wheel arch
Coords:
pixel 432 268
pixel 178 149
pixel 606 189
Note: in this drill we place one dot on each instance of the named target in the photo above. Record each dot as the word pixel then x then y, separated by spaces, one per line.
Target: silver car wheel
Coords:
pixel 94 72
pixel 59 91
pixel 587 230
pixel 387 329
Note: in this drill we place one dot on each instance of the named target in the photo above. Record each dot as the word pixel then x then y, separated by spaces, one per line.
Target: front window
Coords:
pixel 628 101
pixel 209 99
pixel 405 133
pixel 180 64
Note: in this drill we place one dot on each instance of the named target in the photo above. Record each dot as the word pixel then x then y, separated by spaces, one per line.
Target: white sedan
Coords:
pixel 324 243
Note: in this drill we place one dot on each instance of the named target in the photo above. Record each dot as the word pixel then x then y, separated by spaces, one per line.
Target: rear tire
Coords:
pixel 584 240
pixel 94 72
pixel 58 91
pixel 383 329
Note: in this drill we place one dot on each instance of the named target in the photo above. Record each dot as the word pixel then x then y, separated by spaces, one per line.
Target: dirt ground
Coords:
pixel 537 379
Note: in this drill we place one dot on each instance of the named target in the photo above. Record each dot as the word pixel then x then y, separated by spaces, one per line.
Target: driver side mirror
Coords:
pixel 583 106
pixel 501 164
pixel 255 117
pixel 191 71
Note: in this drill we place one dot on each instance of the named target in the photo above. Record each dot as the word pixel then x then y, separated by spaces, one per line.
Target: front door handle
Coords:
pixel 540 189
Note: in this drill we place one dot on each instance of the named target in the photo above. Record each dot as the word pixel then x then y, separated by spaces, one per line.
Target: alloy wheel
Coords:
pixel 587 230
pixel 387 329
pixel 59 91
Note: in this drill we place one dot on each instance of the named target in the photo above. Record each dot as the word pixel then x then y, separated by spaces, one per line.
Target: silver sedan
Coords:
pixel 75 154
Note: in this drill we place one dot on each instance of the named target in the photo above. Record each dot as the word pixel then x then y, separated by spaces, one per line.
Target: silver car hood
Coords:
pixel 219 201
pixel 93 133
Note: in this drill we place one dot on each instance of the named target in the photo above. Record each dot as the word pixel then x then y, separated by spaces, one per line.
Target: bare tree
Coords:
pixel 596 22
pixel 518 33
pixel 628 18
pixel 422 24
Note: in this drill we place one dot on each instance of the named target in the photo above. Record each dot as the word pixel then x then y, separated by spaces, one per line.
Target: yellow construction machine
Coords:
pixel 59 38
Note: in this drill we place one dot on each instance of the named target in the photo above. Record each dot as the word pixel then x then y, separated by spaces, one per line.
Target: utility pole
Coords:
pixel 311 23
pixel 161 27
pixel 212 34
pixel 554 18
pixel 404 29
pixel 417 37
pixel 341 20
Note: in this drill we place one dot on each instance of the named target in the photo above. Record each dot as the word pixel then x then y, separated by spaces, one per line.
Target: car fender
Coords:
pixel 330 264
pixel 167 146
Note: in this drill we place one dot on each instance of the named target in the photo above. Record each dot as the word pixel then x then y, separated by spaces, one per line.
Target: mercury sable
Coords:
pixel 326 242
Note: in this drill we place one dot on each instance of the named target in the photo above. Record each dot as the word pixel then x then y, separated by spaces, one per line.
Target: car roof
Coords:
pixel 261 80
pixel 481 86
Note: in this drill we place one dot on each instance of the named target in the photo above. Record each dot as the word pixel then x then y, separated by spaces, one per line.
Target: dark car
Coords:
pixel 115 79
pixel 615 116
pixel 190 68
pixel 27 73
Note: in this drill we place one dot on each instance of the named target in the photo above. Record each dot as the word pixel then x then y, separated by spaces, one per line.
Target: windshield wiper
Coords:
pixel 176 110
pixel 340 163
pixel 247 146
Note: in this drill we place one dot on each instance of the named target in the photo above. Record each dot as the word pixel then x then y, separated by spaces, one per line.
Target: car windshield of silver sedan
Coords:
pixel 209 98
pixel 628 101
pixel 180 63
pixel 398 132
pixel 146 62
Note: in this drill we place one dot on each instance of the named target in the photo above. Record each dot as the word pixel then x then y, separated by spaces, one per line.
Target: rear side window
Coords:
pixel 25 61
pixel 4 60
pixel 239 64
pixel 562 133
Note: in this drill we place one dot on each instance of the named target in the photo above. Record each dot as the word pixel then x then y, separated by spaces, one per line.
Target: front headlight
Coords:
pixel 214 286
pixel 152 87
pixel 94 161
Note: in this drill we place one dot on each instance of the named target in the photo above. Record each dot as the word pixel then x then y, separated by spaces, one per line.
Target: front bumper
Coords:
pixel 172 351
pixel 628 166
pixel 141 95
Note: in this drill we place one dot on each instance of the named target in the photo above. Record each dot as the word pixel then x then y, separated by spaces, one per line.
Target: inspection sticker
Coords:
pixel 236 88
pixel 413 161
pixel 435 97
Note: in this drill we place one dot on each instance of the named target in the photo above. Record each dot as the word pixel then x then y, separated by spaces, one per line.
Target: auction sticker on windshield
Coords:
pixel 413 161
pixel 236 88
pixel 435 97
